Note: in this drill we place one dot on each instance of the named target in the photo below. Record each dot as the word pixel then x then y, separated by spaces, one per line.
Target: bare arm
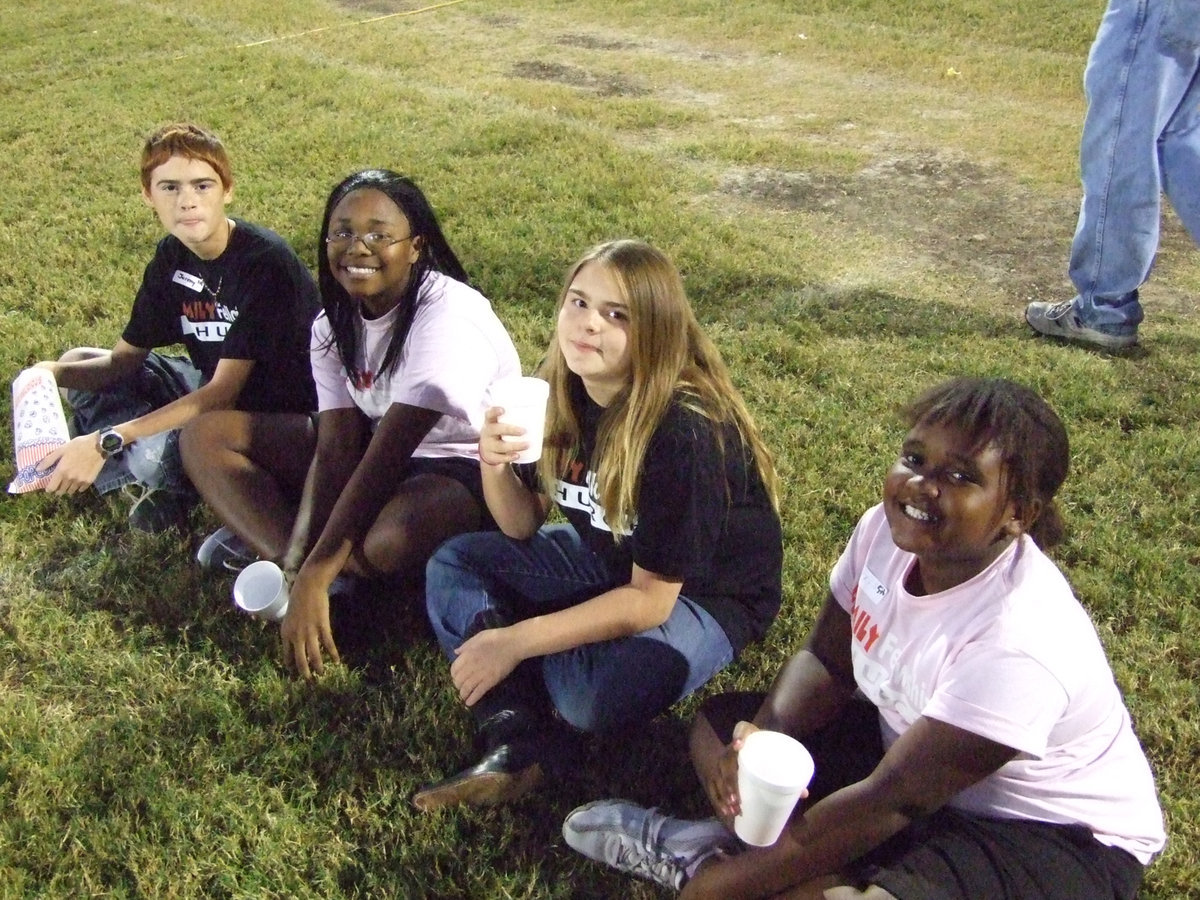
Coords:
pixel 96 369
pixel 815 683
pixel 341 436
pixel 809 691
pixel 930 763
pixel 305 629
pixel 486 658
pixel 370 487
pixel 79 461
pixel 517 510
pixel 220 392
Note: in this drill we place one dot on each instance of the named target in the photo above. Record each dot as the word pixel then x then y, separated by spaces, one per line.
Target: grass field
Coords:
pixel 862 196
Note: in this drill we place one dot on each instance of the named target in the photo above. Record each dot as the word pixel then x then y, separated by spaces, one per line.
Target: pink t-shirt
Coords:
pixel 455 349
pixel 1012 656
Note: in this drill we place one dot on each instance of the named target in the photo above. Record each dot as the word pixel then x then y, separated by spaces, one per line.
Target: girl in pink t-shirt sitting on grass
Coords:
pixel 969 738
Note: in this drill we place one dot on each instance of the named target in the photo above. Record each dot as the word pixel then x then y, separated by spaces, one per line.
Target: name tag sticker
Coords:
pixel 188 280
pixel 870 588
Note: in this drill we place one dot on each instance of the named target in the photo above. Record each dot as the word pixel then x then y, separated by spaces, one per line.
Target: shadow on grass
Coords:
pixel 151 583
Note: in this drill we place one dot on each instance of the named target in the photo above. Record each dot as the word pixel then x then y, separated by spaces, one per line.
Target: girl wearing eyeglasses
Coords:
pixel 402 356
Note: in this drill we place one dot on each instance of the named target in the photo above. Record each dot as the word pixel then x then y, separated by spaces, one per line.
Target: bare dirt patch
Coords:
pixel 592 42
pixel 380 7
pixel 961 215
pixel 607 85
pixel 953 211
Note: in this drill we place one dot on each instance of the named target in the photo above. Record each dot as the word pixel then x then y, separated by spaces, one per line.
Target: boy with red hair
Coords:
pixel 233 293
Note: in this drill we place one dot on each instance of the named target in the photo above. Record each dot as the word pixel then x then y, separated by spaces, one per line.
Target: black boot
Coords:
pixel 512 723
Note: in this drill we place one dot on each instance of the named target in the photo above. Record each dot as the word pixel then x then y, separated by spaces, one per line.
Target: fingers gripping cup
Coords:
pixel 260 590
pixel 524 403
pixel 773 771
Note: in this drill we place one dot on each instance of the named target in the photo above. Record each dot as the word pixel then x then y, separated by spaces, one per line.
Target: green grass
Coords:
pixel 854 221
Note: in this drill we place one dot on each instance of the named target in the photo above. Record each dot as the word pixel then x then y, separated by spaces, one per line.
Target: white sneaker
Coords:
pixel 1061 321
pixel 644 842
pixel 223 550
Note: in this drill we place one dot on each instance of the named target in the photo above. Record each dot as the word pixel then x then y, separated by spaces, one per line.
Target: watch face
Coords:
pixel 111 442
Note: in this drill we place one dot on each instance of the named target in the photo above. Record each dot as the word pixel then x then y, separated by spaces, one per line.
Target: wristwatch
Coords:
pixel 109 442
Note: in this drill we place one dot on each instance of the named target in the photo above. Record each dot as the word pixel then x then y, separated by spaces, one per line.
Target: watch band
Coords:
pixel 109 442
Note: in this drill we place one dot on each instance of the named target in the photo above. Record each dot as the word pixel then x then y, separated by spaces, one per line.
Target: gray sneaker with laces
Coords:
pixel 1061 321
pixel 223 550
pixel 644 842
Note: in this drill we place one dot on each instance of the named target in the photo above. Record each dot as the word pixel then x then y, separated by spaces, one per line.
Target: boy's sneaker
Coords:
pixel 156 510
pixel 644 842
pixel 223 550
pixel 1061 321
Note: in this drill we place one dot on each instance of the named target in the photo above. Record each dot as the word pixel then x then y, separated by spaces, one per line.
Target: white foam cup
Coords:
pixel 261 591
pixel 524 403
pixel 773 771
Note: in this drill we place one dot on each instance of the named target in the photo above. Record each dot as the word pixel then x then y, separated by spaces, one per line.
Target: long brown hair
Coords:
pixel 670 358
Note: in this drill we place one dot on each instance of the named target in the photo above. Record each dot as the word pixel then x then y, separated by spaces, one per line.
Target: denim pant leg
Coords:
pixel 619 682
pixel 153 461
pixel 489 579
pixel 1179 147
pixel 1134 86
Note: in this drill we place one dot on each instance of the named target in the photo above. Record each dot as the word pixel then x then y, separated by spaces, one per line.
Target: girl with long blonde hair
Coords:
pixel 669 563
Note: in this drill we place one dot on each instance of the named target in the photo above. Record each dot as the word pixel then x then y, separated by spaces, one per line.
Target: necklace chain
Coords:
pixel 211 292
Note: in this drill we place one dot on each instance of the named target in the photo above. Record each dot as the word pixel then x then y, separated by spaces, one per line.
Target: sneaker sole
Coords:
pixel 1092 339
pixel 576 822
pixel 484 789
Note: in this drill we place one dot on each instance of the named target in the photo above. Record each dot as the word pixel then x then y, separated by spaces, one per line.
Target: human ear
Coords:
pixel 1024 516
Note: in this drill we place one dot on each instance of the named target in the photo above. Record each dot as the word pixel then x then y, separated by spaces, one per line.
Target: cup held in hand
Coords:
pixel 260 590
pixel 773 771
pixel 524 404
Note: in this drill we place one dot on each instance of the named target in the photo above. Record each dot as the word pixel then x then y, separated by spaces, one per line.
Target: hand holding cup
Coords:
pixel 774 770
pixel 499 443
pixel 519 405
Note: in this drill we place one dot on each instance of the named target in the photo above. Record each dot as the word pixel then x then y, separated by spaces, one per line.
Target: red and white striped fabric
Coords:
pixel 39 426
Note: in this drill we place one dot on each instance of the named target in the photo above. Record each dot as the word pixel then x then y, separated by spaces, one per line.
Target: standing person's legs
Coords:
pixel 1179 148
pixel 250 468
pixel 1134 83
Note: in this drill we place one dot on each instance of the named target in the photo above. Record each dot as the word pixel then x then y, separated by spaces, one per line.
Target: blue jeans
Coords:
pixel 1141 137
pixel 491 578
pixel 153 461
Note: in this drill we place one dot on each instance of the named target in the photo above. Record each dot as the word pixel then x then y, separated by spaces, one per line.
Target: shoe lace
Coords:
pixel 643 861
pixel 1058 310
pixel 139 494
pixel 236 555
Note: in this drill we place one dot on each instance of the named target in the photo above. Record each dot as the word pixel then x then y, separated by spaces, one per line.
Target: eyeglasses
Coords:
pixel 372 240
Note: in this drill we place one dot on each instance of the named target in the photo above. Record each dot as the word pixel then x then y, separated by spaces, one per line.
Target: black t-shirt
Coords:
pixel 701 516
pixel 256 301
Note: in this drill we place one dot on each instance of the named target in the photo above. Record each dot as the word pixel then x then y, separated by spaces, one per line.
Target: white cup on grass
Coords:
pixel 524 404
pixel 773 771
pixel 260 590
